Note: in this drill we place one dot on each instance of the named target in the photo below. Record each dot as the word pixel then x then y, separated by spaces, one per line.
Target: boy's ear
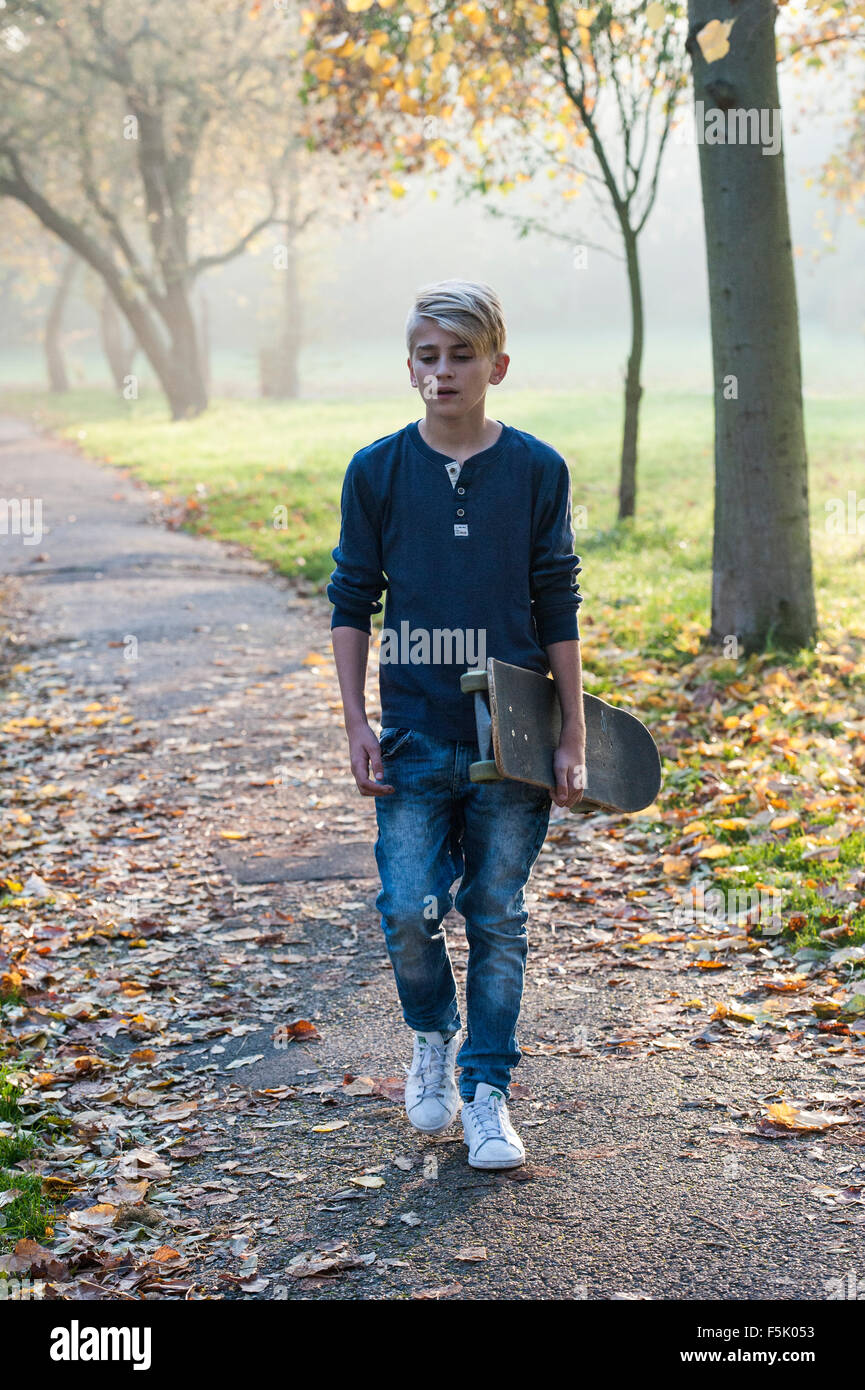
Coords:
pixel 500 367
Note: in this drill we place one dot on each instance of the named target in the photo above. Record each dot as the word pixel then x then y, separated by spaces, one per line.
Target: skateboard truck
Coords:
pixel 477 683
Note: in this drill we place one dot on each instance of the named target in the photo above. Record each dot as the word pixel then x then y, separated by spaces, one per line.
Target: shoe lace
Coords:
pixel 432 1069
pixel 488 1117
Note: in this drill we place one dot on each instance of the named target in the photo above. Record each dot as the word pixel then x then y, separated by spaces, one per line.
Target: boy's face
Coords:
pixel 449 375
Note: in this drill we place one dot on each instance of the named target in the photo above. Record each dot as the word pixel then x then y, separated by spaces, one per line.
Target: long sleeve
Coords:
pixel 357 582
pixel 554 566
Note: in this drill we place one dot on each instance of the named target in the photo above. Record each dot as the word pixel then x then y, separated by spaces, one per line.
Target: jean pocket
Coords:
pixel 390 741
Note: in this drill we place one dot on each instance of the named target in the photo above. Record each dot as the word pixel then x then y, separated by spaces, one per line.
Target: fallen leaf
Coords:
pixel 803 1120
pixel 102 1214
pixel 391 1088
pixel 359 1086
pixel 301 1030
pixel 30 1257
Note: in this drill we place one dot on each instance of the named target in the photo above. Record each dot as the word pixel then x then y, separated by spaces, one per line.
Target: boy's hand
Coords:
pixel 365 751
pixel 569 765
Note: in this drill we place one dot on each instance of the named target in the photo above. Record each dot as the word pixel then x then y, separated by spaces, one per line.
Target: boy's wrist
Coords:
pixel 574 723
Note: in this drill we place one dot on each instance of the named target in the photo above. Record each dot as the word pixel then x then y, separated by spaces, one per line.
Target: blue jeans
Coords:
pixel 435 827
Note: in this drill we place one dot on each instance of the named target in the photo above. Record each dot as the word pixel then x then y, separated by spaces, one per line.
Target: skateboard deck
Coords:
pixel 519 721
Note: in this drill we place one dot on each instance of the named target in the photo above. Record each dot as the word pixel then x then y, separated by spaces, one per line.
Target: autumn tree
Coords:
pixel 320 185
pixel 182 101
pixel 831 37
pixel 762 586
pixel 38 277
pixel 516 92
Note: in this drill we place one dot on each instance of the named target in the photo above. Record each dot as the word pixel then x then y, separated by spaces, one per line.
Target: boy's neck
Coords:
pixel 459 439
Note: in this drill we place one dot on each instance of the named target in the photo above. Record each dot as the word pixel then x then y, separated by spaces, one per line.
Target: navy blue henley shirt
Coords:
pixel 484 568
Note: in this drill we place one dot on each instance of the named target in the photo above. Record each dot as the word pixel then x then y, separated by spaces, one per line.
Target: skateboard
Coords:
pixel 519 720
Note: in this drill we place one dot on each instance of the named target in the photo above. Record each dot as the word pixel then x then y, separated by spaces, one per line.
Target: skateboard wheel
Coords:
pixel 473 680
pixel 484 772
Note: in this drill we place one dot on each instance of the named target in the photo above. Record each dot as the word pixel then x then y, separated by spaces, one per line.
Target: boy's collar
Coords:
pixel 434 456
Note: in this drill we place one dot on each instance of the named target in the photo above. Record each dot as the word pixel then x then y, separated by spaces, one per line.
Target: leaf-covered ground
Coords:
pixel 201 1086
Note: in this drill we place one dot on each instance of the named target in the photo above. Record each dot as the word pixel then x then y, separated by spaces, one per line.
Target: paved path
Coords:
pixel 648 1176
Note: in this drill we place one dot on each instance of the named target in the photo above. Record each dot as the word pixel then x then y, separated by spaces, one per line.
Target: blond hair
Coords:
pixel 469 308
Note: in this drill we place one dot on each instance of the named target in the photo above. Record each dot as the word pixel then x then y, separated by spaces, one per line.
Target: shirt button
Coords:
pixel 460 511
pixel 460 489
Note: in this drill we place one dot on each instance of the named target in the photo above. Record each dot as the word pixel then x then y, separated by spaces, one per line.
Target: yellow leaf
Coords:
pixel 715 852
pixel 234 834
pixel 732 823
pixel 419 47
pixel 730 1011
pixel 804 1120
pixel 474 14
pixel 324 69
pixel 676 865
pixel 396 188
pixel 655 14
pixel 356 6
pixel 781 822
pixel 329 1128
pixel 714 38
pixel 368 1180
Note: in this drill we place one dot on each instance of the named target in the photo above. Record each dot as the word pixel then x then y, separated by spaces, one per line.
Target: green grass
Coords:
pixel 245 463
pixel 31 1216
pixel 14 1147
pixel 10 1110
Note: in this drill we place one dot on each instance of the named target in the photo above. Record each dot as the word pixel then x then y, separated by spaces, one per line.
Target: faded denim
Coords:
pixel 435 828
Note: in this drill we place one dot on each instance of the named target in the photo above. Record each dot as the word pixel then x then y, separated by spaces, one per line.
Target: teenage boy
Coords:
pixel 466 522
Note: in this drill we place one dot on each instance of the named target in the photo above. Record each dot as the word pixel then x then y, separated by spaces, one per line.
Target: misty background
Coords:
pixel 567 327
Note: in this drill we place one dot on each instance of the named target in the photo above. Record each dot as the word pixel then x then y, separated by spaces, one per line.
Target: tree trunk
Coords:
pixel 119 354
pixel 204 345
pixel 187 376
pixel 762 587
pixel 58 379
pixel 633 389
pixel 184 398
pixel 279 364
pixel 286 383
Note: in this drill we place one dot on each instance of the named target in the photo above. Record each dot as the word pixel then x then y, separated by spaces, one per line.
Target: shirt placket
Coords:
pixel 457 474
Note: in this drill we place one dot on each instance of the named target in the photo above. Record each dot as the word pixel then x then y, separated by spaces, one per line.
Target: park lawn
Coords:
pixel 726 809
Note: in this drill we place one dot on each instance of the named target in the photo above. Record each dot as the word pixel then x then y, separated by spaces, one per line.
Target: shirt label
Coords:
pixel 460 530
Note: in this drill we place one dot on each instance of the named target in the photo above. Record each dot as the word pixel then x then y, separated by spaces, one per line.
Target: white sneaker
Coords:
pixel 493 1142
pixel 431 1096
